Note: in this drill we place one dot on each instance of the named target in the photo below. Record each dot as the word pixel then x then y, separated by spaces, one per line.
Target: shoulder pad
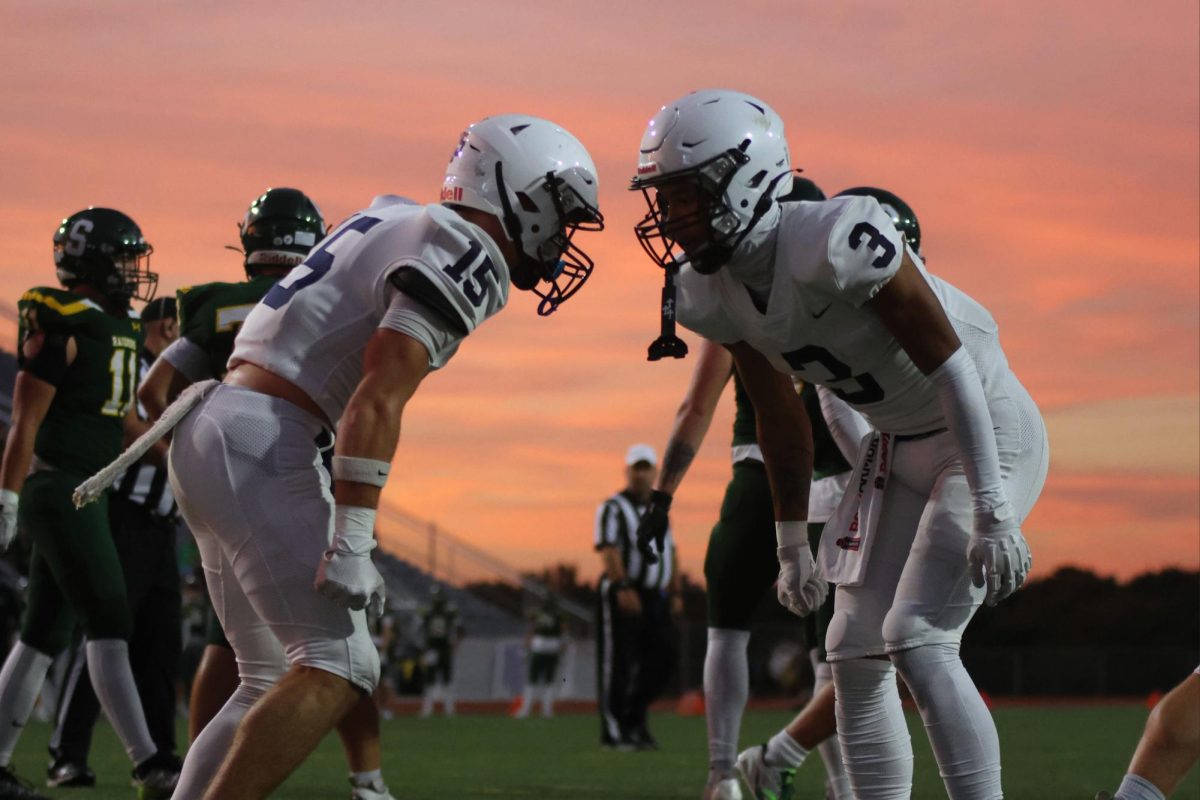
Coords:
pixel 191 300
pixel 461 266
pixel 847 247
pixel 55 310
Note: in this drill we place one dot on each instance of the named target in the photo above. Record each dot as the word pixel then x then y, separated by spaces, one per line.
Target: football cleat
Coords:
pixel 63 773
pixel 723 789
pixel 375 790
pixel 155 778
pixel 765 782
pixel 13 787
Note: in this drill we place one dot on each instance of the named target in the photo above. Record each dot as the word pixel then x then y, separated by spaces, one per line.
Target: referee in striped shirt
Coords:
pixel 636 649
pixel 143 518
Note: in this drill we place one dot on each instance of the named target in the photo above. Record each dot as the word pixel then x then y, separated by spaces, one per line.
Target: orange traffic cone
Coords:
pixel 691 704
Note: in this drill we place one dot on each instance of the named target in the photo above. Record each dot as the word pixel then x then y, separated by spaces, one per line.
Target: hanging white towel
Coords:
pixel 849 533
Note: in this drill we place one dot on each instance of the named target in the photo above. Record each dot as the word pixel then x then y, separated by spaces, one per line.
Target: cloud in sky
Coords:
pixel 1050 149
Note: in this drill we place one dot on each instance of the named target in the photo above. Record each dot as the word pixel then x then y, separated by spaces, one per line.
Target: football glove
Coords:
pixel 997 554
pixel 346 574
pixel 653 526
pixel 8 517
pixel 799 588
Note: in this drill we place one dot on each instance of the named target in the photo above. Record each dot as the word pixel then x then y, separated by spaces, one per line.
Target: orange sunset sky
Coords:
pixel 1050 150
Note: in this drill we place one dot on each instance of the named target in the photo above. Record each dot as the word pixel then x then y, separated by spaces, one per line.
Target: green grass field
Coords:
pixel 1050 753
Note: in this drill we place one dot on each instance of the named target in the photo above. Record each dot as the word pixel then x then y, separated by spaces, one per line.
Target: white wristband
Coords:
pixel 791 533
pixel 370 471
pixel 9 498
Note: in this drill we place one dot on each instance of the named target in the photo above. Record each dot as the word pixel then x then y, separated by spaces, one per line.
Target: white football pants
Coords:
pixel 246 472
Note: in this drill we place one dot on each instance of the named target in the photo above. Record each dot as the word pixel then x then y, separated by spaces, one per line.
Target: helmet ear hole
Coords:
pixel 527 204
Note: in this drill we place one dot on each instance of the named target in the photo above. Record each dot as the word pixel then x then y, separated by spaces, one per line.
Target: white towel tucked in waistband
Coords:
pixel 846 540
pixel 94 486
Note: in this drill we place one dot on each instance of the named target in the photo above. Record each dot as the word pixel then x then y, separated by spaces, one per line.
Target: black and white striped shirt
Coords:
pixel 143 483
pixel 616 526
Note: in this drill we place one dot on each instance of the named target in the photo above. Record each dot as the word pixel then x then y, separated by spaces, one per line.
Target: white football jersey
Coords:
pixel 832 257
pixel 312 327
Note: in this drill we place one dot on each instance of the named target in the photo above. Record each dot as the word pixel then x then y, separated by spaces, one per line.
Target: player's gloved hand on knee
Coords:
pixel 799 588
pixel 997 554
pixel 346 574
pixel 652 527
pixel 8 517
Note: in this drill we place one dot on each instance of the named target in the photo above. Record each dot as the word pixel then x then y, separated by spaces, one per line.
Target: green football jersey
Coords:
pixel 211 314
pixel 439 624
pixel 827 459
pixel 548 622
pixel 84 426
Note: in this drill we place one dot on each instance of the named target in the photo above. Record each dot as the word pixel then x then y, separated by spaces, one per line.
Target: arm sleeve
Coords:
pixel 846 425
pixel 189 358
pixel 410 316
pixel 964 403
pixel 607 519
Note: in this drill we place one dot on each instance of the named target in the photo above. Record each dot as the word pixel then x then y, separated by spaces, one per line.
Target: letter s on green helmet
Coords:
pixel 103 248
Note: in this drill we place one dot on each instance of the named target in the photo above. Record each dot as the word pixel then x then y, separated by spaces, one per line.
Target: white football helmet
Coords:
pixel 731 147
pixel 540 182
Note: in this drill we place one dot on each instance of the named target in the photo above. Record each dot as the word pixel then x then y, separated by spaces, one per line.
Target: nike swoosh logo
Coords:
pixel 821 313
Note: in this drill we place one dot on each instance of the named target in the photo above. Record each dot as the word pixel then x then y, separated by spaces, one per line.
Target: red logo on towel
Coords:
pixel 849 542
pixel 854 523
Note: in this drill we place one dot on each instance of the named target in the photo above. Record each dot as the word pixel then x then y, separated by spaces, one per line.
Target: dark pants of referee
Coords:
pixel 636 657
pixel 146 547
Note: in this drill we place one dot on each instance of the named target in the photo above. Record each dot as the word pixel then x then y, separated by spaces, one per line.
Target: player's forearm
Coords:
pixel 964 404
pixel 370 429
pixel 31 402
pixel 18 453
pixel 692 421
pixel 787 448
pixel 688 434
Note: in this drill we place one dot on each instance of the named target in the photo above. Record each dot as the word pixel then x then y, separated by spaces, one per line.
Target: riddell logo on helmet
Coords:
pixel 646 169
pixel 451 194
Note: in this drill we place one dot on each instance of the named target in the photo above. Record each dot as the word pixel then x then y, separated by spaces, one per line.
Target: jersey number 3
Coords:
pixel 316 265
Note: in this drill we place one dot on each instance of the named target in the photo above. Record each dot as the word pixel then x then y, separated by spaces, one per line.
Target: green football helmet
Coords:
pixel 104 248
pixel 279 229
pixel 903 217
pixel 803 189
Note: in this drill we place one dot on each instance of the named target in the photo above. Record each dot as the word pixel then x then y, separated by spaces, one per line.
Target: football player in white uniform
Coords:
pixel 829 292
pixel 342 343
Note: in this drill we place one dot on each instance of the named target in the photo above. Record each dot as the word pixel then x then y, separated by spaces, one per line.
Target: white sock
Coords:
pixel 447 700
pixel 209 750
pixel 427 700
pixel 837 785
pixel 108 665
pixel 20 683
pixel 371 779
pixel 1135 787
pixel 957 721
pixel 548 700
pixel 726 689
pixel 526 701
pixel 784 752
pixel 876 748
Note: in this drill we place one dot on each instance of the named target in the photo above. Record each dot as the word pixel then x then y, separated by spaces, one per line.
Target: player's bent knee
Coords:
pixel 903 629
